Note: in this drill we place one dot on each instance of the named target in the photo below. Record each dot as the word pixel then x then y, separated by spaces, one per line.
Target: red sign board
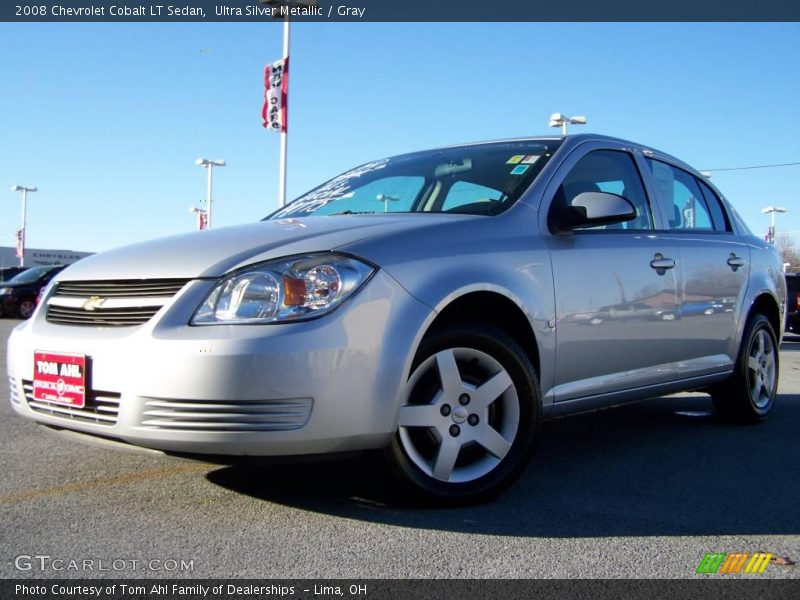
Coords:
pixel 59 378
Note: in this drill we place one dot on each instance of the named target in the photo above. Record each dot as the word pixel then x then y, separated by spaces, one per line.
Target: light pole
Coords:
pixel 284 6
pixel 561 120
pixel 385 199
pixel 285 131
pixel 209 164
pixel 21 232
pixel 771 210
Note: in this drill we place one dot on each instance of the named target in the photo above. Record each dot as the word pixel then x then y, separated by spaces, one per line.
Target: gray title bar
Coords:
pixel 402 10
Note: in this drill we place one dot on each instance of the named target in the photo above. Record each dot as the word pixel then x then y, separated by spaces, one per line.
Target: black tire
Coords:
pixel 26 307
pixel 748 396
pixel 521 400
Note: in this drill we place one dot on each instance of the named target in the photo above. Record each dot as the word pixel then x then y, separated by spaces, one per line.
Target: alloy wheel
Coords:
pixel 460 415
pixel 761 369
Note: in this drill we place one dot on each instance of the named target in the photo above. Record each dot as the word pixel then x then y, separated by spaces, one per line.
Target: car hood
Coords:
pixel 213 253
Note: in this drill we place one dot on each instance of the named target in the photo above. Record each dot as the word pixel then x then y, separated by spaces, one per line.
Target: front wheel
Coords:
pixel 749 394
pixel 26 308
pixel 469 414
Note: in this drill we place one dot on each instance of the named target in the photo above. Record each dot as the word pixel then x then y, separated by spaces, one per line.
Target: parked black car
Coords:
pixel 792 293
pixel 18 296
pixel 8 273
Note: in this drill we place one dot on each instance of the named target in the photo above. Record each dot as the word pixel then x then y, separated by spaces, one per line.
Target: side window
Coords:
pixel 611 171
pixel 679 192
pixel 390 194
pixel 464 192
pixel 715 208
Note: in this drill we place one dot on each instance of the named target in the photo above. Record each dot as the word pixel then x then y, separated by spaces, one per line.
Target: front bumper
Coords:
pixel 327 385
pixel 8 304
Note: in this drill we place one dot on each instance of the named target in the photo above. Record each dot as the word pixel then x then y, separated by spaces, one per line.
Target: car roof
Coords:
pixel 571 141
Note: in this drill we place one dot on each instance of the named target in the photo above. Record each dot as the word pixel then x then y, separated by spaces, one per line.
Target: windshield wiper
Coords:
pixel 354 212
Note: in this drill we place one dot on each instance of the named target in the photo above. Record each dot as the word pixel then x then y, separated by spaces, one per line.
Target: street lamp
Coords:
pixel 21 232
pixel 771 210
pixel 209 164
pixel 561 120
pixel 385 199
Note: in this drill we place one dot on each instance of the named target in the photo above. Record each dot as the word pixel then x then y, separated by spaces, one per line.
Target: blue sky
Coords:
pixel 107 119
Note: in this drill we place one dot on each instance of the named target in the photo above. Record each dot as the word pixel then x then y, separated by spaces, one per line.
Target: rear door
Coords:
pixel 714 264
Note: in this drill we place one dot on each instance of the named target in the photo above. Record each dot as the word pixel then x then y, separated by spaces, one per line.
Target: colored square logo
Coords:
pixel 529 160
pixel 519 169
pixel 515 159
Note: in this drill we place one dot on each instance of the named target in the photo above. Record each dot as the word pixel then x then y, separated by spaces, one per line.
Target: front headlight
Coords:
pixel 5 291
pixel 283 290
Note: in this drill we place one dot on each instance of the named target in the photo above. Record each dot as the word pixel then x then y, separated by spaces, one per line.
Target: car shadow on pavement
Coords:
pixel 662 467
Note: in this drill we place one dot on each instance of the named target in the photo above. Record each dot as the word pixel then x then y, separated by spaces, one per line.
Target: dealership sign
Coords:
pixel 59 378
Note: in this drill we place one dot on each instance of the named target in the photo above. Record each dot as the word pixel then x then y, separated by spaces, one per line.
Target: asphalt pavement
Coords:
pixel 643 490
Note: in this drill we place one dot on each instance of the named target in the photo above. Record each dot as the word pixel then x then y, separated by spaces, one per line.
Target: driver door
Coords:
pixel 615 285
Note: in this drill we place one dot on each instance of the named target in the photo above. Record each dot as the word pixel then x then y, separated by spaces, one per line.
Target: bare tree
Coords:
pixel 789 254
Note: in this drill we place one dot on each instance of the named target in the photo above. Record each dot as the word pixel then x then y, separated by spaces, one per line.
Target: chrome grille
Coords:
pixel 102 408
pixel 121 303
pixel 118 317
pixel 124 288
pixel 12 383
pixel 214 415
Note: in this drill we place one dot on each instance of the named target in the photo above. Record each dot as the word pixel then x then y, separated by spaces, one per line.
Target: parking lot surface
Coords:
pixel 643 490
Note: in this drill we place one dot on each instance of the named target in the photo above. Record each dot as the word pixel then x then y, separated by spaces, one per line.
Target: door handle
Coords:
pixel 661 264
pixel 736 261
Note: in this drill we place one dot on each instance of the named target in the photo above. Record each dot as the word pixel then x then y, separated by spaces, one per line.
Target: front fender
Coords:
pixel 525 279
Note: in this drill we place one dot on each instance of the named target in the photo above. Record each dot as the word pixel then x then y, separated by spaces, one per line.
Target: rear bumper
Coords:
pixel 327 385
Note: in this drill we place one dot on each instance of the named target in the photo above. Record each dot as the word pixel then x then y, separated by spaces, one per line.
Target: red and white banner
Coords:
pixel 276 84
pixel 20 243
pixel 202 220
pixel 59 378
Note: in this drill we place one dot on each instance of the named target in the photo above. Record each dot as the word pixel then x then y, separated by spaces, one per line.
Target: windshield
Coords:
pixel 482 179
pixel 31 275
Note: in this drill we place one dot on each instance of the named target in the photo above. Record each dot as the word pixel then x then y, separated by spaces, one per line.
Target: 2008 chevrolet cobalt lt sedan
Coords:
pixel 435 305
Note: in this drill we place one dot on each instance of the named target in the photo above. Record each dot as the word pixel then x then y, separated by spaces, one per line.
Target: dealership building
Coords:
pixel 38 256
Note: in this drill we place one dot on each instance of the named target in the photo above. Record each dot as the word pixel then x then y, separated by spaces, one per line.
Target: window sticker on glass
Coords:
pixel 519 169
pixel 515 159
pixel 529 160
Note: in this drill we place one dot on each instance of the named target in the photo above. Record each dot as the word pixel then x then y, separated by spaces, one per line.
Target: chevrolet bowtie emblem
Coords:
pixel 93 303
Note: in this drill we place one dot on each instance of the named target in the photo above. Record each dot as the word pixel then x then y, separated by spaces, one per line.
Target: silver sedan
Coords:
pixel 434 306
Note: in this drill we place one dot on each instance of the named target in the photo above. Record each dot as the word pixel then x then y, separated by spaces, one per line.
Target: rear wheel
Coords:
pixel 469 414
pixel 748 396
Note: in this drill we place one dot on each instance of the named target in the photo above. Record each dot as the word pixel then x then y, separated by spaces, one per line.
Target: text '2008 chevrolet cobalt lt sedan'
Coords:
pixel 434 305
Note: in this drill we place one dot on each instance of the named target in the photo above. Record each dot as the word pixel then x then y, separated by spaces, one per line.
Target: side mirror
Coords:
pixel 593 208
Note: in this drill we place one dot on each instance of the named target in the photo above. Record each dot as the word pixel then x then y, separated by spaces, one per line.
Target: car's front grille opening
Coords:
pixel 101 408
pixel 123 288
pixel 119 303
pixel 215 415
pixel 118 317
